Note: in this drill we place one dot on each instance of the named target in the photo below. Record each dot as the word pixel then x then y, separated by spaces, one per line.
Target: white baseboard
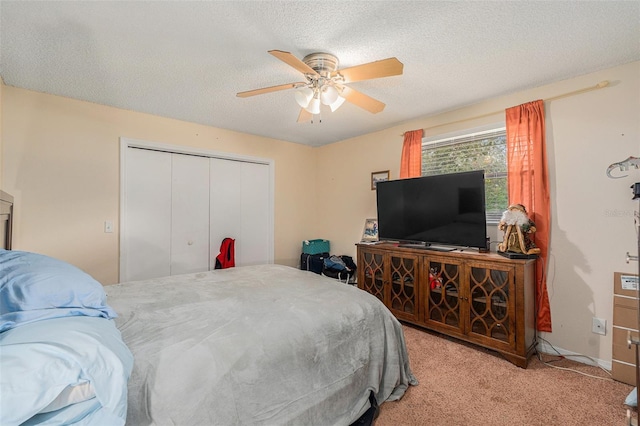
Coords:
pixel 546 348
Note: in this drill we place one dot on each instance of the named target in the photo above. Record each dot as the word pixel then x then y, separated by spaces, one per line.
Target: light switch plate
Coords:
pixel 599 326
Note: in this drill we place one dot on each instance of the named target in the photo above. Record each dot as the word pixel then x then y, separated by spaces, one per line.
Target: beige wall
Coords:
pixel 592 215
pixel 61 163
pixel 60 160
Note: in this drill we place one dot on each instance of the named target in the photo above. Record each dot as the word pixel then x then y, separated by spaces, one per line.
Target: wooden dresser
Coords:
pixel 481 298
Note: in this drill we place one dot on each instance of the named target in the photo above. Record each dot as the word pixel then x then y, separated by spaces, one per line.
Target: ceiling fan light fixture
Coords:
pixel 314 105
pixel 329 94
pixel 303 96
pixel 337 103
pixel 325 83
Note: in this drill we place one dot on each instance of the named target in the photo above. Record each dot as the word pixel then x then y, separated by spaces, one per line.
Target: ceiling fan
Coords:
pixel 326 85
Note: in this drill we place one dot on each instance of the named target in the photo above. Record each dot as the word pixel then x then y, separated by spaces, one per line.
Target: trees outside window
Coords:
pixel 475 151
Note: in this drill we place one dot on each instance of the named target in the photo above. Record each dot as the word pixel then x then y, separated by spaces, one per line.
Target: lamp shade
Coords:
pixel 314 106
pixel 337 103
pixel 303 96
pixel 328 95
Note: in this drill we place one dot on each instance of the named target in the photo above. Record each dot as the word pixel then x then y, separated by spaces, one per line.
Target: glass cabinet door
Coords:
pixel 443 288
pixel 373 282
pixel 491 307
pixel 403 296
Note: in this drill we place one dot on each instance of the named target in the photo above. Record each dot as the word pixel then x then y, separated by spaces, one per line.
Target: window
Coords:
pixel 483 150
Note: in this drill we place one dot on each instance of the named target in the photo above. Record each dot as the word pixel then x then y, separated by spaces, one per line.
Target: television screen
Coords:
pixel 444 209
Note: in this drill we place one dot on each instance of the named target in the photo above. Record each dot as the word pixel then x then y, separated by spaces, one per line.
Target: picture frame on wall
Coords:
pixel 370 232
pixel 376 177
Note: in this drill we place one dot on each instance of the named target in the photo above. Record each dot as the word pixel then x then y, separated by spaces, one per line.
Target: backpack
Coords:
pixel 226 258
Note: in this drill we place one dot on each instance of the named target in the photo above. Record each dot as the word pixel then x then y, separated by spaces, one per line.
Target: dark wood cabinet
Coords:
pixel 403 291
pixel 481 298
pixel 443 307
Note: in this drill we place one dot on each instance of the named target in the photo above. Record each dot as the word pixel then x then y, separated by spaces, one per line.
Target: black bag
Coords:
pixel 342 268
pixel 351 265
pixel 312 262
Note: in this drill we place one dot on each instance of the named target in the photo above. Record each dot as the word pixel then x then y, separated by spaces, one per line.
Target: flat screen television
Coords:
pixel 446 210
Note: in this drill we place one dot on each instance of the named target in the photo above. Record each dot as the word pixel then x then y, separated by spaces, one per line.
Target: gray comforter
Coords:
pixel 266 345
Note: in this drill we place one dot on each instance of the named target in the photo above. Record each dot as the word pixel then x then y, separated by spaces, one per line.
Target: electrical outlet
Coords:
pixel 108 226
pixel 599 326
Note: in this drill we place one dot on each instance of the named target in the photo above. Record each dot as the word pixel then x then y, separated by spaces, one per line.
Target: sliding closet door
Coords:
pixel 190 214
pixel 176 208
pixel 256 224
pixel 146 229
pixel 241 209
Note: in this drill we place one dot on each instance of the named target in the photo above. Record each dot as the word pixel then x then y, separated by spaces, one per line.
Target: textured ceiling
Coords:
pixel 187 60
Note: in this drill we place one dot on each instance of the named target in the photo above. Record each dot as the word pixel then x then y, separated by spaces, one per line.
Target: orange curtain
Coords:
pixel 411 161
pixel 528 184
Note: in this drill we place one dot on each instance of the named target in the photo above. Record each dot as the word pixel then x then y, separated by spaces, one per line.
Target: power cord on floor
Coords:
pixel 561 357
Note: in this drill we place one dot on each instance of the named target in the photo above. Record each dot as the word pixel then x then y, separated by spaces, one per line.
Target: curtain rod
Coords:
pixel 600 85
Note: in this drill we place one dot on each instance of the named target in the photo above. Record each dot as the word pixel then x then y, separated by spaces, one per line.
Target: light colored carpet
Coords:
pixel 462 384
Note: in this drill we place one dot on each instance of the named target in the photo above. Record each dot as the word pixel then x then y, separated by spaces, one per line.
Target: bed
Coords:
pixel 257 345
pixel 266 344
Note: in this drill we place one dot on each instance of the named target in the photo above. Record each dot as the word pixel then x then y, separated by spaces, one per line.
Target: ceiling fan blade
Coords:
pixel 267 90
pixel 304 116
pixel 383 68
pixel 374 106
pixel 291 60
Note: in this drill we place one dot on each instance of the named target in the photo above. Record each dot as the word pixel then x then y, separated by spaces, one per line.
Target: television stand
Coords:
pixel 481 298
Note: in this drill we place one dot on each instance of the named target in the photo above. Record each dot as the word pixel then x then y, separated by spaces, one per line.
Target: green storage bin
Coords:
pixel 315 246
